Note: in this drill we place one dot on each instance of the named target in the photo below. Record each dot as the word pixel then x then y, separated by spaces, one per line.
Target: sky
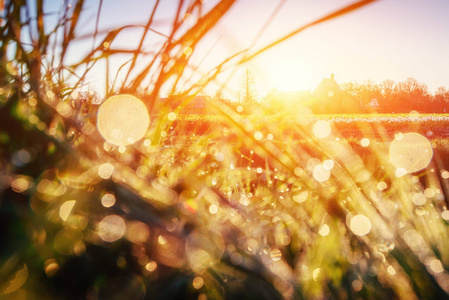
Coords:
pixel 387 39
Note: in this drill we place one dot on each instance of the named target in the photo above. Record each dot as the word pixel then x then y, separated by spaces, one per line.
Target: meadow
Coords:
pixel 122 201
pixel 216 206
pixel 431 125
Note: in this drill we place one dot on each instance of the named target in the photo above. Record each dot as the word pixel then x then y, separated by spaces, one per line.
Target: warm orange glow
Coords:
pixel 286 75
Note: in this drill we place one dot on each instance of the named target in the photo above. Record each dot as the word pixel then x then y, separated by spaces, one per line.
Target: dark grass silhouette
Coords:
pixel 194 216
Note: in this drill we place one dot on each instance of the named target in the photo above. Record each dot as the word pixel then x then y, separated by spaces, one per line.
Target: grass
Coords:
pixel 248 209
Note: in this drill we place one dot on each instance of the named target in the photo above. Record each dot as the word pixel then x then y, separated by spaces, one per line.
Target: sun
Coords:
pixel 287 76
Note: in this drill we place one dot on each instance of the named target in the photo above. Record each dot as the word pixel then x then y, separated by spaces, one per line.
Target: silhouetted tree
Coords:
pixel 248 91
pixel 441 100
pixel 413 95
pixel 219 95
pixel 392 97
pixel 360 96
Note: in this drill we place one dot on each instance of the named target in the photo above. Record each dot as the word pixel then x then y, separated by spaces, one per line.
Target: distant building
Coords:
pixel 327 96
pixel 373 104
pixel 327 88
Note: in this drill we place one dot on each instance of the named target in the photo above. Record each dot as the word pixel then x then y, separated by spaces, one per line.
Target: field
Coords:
pixel 118 197
pixel 292 172
pixel 309 206
pixel 431 125
pixel 378 129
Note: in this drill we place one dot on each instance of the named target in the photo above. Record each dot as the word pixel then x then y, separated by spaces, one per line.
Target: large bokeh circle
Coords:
pixel 123 119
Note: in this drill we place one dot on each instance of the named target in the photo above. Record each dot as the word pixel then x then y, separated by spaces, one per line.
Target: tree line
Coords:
pixel 388 97
pixel 354 97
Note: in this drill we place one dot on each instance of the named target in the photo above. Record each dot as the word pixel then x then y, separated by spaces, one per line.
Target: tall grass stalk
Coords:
pixel 250 210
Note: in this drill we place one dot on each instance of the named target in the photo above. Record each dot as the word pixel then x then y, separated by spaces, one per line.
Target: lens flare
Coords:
pixel 276 254
pixel 123 120
pixel 171 116
pixel 199 259
pixel 419 198
pixel 411 152
pixel 137 232
pixel 321 174
pixel 436 266
pixel 108 200
pixel 391 270
pixel 66 209
pixel 151 266
pixel 17 281
pixel 301 196
pixel 360 225
pixel 21 184
pixel 324 230
pixel 111 228
pixel 365 142
pixel 198 282
pixel 105 170
pixel 51 267
pixel 321 129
